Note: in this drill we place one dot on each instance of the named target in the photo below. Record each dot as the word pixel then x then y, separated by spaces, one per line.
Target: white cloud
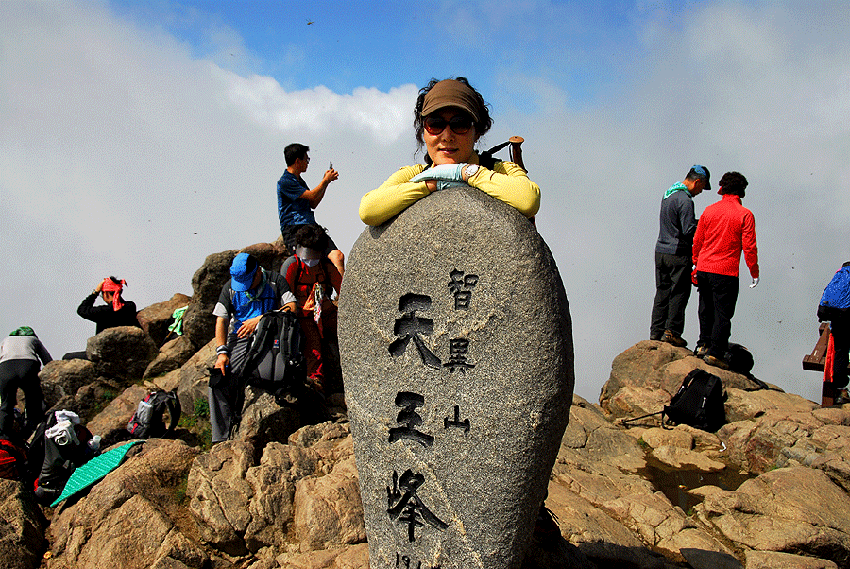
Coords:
pixel 318 110
pixel 735 89
pixel 123 154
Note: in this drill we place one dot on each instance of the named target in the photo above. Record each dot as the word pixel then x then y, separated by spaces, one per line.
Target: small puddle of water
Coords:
pixel 675 483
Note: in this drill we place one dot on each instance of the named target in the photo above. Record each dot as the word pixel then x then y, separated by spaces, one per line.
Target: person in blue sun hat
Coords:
pixel 251 292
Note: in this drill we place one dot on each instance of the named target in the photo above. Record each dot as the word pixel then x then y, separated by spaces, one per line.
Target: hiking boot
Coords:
pixel 674 339
pixel 701 352
pixel 656 335
pixel 716 362
pixel 841 398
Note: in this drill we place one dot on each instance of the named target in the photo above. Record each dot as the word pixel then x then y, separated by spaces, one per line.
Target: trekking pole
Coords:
pixel 633 419
pixel 516 151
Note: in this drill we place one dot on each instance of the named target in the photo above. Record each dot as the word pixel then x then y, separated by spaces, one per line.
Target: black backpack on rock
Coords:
pixel 740 359
pixel 698 403
pixel 274 361
pixel 149 419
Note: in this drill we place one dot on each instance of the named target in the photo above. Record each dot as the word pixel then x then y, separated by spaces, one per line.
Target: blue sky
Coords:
pixel 344 45
pixel 129 129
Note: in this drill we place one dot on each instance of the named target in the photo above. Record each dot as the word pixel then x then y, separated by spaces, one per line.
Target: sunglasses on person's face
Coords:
pixel 459 124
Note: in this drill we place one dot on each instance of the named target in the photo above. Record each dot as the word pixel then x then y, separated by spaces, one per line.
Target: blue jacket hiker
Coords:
pixel 835 307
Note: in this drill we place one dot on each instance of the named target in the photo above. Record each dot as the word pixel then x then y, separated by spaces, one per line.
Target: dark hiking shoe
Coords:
pixel 701 352
pixel 716 362
pixel 674 339
pixel 656 336
pixel 841 398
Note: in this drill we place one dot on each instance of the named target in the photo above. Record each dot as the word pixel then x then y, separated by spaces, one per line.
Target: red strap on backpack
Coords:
pixel 830 360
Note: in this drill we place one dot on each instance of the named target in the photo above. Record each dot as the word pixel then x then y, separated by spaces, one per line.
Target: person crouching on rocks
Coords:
pixel 312 281
pixel 115 312
pixel 251 292
pixel 450 117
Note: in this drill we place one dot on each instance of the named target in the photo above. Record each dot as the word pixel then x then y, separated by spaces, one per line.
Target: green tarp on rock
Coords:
pixel 92 471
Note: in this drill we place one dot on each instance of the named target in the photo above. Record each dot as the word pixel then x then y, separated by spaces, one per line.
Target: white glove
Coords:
pixel 755 282
pixel 444 172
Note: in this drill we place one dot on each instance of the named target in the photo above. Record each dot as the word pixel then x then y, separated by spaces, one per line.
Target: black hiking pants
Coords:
pixel 672 291
pixel 227 397
pixel 718 295
pixel 21 374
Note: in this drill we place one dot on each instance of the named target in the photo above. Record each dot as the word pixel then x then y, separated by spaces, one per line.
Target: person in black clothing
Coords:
pixel 116 311
pixel 21 356
pixel 673 257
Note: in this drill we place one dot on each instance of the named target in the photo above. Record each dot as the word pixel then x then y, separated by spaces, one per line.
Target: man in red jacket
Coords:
pixel 725 229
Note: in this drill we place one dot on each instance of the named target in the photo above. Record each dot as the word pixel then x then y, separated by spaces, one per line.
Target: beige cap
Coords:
pixel 451 93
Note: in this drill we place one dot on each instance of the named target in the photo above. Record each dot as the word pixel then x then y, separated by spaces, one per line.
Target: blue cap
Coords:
pixel 702 172
pixel 242 272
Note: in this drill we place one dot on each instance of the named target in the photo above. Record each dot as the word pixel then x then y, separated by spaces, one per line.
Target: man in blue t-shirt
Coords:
pixel 296 201
pixel 251 292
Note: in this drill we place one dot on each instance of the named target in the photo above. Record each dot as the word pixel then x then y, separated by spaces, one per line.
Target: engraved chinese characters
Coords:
pixel 457 359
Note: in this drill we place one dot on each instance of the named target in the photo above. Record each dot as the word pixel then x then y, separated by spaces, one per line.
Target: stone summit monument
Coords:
pixel 457 357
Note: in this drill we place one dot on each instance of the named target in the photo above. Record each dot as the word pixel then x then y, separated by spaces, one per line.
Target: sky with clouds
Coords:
pixel 130 132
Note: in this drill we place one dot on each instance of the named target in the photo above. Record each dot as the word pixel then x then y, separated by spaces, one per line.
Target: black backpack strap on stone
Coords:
pixel 625 422
pixel 169 402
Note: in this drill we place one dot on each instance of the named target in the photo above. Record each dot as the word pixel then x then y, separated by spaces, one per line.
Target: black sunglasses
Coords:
pixel 459 124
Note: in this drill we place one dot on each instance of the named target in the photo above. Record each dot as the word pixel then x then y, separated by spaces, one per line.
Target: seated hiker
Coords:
pixel 835 307
pixel 311 281
pixel 250 292
pixel 116 311
pixel 21 356
pixel 450 117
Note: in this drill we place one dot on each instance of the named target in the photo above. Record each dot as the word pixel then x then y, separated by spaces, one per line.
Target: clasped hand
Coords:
pixel 248 326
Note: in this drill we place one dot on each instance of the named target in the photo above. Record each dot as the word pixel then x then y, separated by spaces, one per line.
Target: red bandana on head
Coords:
pixel 110 286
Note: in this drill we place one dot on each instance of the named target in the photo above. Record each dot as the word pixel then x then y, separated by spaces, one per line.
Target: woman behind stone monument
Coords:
pixel 458 395
pixel 450 117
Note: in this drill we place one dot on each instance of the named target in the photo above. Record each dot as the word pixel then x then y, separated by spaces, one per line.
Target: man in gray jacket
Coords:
pixel 673 257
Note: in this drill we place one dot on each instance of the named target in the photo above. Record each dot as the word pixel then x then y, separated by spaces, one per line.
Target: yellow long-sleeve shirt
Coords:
pixel 506 182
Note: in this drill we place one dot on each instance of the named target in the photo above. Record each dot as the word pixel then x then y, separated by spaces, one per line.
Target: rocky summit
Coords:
pixel 768 490
pixel 458 377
